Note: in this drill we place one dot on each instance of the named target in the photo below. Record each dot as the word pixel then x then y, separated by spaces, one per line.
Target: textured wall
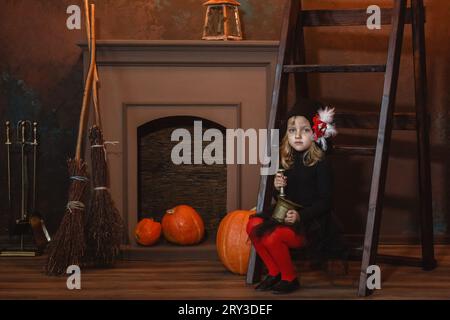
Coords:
pixel 41 76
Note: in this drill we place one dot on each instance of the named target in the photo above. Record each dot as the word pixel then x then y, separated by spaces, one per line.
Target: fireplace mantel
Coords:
pixel 229 83
pixel 145 44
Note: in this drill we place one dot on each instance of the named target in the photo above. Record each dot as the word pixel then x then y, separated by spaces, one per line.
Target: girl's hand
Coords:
pixel 292 216
pixel 280 181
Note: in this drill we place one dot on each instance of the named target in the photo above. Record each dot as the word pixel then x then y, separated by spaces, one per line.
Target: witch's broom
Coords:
pixel 68 245
pixel 104 226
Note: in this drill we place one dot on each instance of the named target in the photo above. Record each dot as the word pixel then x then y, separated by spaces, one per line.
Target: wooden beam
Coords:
pixel 321 68
pixel 382 151
pixel 279 95
pixel 356 255
pixel 299 57
pixel 423 139
pixel 371 120
pixel 353 150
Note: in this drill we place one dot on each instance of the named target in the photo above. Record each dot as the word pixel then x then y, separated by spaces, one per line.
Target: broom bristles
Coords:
pixel 104 231
pixel 68 246
pixel 104 224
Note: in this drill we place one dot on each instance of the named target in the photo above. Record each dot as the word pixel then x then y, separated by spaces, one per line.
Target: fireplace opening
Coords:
pixel 163 184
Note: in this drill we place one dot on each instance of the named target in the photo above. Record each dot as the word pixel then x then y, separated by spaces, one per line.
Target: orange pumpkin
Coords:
pixel 183 225
pixel 147 232
pixel 232 243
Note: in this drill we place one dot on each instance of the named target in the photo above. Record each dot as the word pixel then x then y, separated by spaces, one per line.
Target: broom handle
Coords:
pixel 87 87
pixel 96 78
pixel 8 157
pixel 88 23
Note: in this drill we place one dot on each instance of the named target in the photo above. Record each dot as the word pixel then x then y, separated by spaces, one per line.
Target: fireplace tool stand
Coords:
pixel 27 223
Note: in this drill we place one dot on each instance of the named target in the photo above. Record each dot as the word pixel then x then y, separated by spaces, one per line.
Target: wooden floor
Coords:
pixel 22 278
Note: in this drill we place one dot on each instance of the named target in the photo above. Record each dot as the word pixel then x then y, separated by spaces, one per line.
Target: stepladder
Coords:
pixel 292 61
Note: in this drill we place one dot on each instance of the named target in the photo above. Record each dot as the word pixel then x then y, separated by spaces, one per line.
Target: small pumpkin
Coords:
pixel 183 225
pixel 147 232
pixel 232 242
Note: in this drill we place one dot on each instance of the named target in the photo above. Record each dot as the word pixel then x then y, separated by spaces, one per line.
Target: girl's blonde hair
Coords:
pixel 311 156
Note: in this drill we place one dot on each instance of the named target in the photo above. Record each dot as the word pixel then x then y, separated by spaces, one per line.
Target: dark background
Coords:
pixel 41 79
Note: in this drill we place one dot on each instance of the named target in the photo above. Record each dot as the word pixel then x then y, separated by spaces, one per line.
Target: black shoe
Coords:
pixel 285 286
pixel 268 282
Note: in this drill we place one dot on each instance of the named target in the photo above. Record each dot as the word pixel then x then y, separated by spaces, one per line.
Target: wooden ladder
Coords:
pixel 291 59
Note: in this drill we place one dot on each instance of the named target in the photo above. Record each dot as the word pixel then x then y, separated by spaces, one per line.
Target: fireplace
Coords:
pixel 163 184
pixel 147 88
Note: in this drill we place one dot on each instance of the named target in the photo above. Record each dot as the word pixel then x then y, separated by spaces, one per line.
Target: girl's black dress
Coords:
pixel 312 188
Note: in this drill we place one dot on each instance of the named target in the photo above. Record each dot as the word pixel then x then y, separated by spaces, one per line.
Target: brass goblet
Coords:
pixel 282 207
pixel 283 204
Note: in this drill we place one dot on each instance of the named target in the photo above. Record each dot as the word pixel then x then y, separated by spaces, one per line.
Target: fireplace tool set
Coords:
pixel 29 221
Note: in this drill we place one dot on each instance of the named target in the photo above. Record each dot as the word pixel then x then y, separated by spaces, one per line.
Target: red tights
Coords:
pixel 273 248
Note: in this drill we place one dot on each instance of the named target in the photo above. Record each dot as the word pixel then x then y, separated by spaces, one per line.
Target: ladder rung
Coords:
pixel 370 120
pixel 354 150
pixel 351 17
pixel 310 68
pixel 356 254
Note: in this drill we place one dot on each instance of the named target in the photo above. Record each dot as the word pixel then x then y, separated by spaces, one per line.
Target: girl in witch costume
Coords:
pixel 307 181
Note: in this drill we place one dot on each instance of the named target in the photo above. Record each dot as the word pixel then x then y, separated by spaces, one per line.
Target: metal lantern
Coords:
pixel 222 20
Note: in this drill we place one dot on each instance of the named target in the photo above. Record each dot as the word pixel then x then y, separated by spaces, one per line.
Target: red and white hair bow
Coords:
pixel 324 127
